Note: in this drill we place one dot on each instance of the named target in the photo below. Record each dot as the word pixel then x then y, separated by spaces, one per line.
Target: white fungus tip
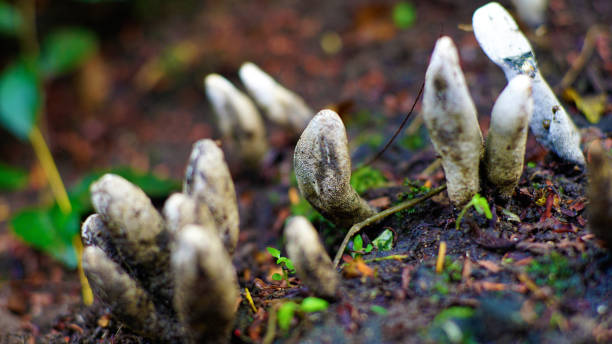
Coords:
pixel 498 34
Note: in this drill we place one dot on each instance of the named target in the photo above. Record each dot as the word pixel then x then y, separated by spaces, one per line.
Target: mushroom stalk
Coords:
pixel 450 117
pixel 322 167
pixel 505 147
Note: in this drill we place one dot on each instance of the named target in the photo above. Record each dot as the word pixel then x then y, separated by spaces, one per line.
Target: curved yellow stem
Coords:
pixel 61 196
pixel 48 165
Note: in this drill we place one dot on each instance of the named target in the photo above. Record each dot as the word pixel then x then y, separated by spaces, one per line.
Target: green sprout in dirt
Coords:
pixel 358 249
pixel 288 309
pixel 365 178
pixel 480 204
pixel 285 263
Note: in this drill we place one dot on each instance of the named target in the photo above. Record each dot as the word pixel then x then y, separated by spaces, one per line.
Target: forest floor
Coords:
pixel 533 273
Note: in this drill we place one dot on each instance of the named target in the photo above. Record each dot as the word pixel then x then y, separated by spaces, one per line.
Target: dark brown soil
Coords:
pixel 541 279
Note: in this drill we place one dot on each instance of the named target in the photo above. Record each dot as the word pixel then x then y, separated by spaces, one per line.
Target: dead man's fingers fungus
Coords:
pixel 503 42
pixel 505 147
pixel 239 121
pixel 322 167
pixel 312 264
pixel 599 192
pixel 450 117
pixel 206 286
pixel 281 105
pixel 209 182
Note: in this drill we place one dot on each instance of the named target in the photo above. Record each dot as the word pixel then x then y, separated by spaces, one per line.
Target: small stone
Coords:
pixel 206 285
pixel 282 106
pixel 312 264
pixel 505 148
pixel 450 117
pixel 503 42
pixel 209 182
pixel 322 167
pixel 239 121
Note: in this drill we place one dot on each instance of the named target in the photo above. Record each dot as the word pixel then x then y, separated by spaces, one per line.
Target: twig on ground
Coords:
pixel 381 215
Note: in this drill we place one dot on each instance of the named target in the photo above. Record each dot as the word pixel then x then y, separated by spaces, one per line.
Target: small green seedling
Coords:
pixel 480 204
pixel 309 305
pixel 285 263
pixel 384 241
pixel 358 249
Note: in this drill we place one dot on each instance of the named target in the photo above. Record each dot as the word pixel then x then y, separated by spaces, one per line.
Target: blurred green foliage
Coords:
pixel 384 241
pixel 365 178
pixel 51 231
pixel 21 92
pixel 10 19
pixel 12 178
pixel 404 14
pixel 287 310
pixel 20 98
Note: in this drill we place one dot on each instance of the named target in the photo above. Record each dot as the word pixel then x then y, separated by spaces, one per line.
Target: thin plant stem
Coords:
pixel 381 215
pixel 48 165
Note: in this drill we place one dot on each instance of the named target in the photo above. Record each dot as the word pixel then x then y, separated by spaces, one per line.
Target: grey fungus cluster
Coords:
pixel 450 117
pixel 169 278
pixel 240 123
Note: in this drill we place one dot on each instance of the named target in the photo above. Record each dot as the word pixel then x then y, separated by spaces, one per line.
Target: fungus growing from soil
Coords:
pixel 241 125
pixel 169 280
pixel 209 181
pixel 505 147
pixel 599 193
pixel 281 105
pixel 502 41
pixel 312 264
pixel 450 117
pixel 322 167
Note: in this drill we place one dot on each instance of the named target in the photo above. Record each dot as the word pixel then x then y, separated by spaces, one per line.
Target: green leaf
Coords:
pixel 384 241
pixel 65 50
pixel 404 15
pixel 285 314
pixel 12 178
pixel 313 304
pixel 10 19
pixel 368 248
pixel 482 206
pixel 20 99
pixel 379 309
pixel 274 252
pixel 277 277
pixel 357 243
pixel 38 227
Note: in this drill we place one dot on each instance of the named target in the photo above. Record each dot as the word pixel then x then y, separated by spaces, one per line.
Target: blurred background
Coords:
pixel 118 85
